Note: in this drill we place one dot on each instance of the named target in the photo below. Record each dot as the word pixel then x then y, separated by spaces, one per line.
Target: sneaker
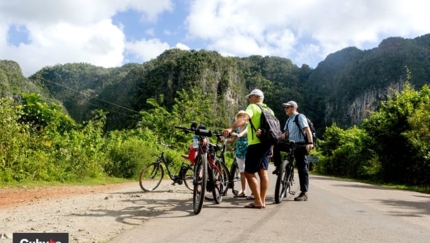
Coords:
pixel 302 197
pixel 276 171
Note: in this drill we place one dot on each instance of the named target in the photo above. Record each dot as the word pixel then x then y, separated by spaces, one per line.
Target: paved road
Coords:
pixel 337 211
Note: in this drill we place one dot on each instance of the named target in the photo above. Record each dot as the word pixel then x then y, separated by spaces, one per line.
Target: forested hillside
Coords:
pixel 12 82
pixel 118 115
pixel 350 83
pixel 123 92
pixel 342 89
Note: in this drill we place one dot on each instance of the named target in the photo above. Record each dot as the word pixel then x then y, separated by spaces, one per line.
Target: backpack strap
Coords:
pixel 253 129
pixel 296 120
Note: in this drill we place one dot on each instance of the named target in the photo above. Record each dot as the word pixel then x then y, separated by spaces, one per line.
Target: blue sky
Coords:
pixel 111 33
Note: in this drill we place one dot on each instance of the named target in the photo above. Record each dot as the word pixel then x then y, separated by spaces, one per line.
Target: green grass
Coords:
pixel 84 182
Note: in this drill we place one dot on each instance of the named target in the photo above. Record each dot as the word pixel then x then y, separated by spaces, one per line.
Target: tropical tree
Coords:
pixel 392 127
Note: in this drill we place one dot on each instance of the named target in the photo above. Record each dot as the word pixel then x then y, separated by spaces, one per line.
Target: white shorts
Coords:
pixel 241 164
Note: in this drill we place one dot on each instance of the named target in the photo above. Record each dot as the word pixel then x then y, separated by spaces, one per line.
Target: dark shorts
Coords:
pixel 257 157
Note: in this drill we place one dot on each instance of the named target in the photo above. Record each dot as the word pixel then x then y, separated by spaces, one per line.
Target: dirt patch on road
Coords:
pixel 87 213
pixel 18 196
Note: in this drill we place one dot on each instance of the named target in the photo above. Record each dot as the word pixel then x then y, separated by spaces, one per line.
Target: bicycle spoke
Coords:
pixel 151 176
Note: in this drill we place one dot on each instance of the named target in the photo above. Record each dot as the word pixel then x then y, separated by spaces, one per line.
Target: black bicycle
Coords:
pixel 152 174
pixel 200 176
pixel 234 174
pixel 285 179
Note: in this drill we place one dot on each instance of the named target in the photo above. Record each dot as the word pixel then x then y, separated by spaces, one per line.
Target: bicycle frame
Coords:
pixel 212 165
pixel 233 166
pixel 285 179
pixel 162 160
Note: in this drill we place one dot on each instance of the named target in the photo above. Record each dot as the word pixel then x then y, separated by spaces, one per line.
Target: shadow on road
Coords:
pixel 417 209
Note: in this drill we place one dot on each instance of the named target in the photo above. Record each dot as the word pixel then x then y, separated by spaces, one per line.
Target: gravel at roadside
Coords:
pixel 87 213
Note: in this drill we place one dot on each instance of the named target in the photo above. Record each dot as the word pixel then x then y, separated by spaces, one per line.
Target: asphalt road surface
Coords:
pixel 337 211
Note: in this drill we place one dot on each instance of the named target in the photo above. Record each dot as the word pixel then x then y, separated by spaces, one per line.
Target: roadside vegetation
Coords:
pixel 39 143
pixel 391 148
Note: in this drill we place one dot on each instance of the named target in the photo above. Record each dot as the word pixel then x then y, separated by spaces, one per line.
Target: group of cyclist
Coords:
pixel 255 160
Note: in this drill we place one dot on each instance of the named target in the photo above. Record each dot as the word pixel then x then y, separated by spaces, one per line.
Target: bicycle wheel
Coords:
pixel 151 176
pixel 282 182
pixel 188 177
pixel 221 180
pixel 200 180
pixel 234 177
pixel 290 179
pixel 226 176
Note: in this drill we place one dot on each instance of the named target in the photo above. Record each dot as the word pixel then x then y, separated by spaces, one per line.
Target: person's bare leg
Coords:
pixel 243 182
pixel 264 185
pixel 253 185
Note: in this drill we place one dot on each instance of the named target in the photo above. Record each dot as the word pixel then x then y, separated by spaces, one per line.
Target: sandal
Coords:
pixel 252 205
pixel 240 195
pixel 250 197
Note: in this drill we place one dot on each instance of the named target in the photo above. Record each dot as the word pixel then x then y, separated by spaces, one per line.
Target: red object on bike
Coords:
pixel 191 155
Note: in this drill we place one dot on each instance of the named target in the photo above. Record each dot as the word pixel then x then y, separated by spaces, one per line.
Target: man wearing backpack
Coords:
pixel 296 131
pixel 258 154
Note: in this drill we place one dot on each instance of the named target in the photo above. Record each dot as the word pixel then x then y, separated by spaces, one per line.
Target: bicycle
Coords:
pixel 285 179
pixel 234 174
pixel 151 176
pixel 219 182
pixel 200 176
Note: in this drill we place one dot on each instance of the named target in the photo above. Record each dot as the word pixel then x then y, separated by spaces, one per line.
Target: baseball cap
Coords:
pixel 290 103
pixel 256 92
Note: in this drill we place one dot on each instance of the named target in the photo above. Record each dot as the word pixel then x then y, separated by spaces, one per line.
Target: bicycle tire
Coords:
pixel 226 174
pixel 151 176
pixel 234 176
pixel 281 182
pixel 221 180
pixel 216 193
pixel 188 178
pixel 199 183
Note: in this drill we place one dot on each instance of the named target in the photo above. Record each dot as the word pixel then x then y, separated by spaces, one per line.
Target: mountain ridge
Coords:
pixel 343 89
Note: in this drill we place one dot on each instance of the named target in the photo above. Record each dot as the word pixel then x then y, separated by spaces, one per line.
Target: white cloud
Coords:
pixel 78 11
pixel 182 47
pixel 284 28
pixel 146 50
pixel 100 44
pixel 303 31
pixel 70 31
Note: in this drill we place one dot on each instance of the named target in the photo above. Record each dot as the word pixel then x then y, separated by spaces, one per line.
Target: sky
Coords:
pixel 111 33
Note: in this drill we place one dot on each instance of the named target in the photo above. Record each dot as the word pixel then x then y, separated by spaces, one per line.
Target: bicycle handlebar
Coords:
pixel 197 131
pixel 293 143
